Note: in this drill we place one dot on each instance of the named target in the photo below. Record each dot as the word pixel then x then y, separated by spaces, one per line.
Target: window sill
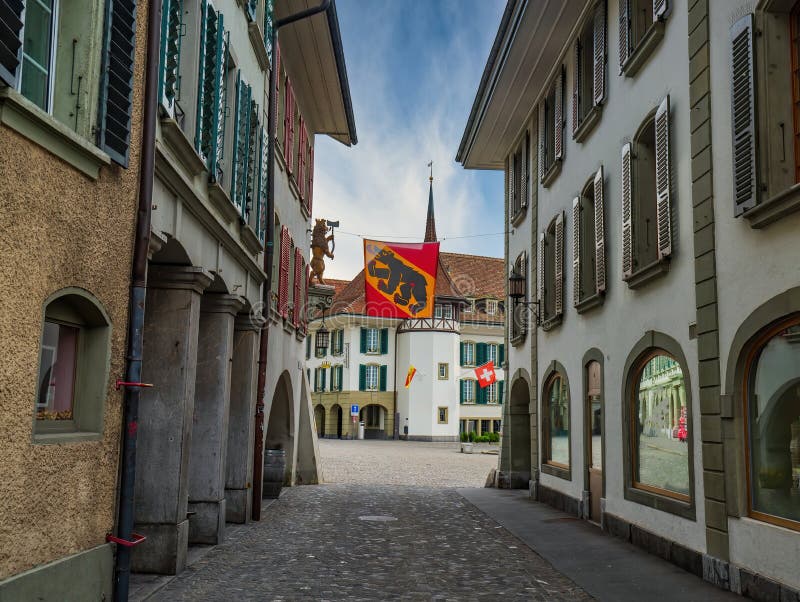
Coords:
pixel 288 326
pixel 257 42
pixel 21 115
pixel 650 272
pixel 773 209
pixel 661 502
pixel 65 437
pixel 557 471
pixel 552 322
pixel 222 202
pixel 250 239
pixel 182 147
pixel 519 216
pixel 588 303
pixel 517 340
pixel 552 173
pixel 644 50
pixel 591 119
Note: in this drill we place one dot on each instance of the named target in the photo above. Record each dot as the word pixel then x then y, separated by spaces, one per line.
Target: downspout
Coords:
pixel 269 252
pixel 396 430
pixel 133 371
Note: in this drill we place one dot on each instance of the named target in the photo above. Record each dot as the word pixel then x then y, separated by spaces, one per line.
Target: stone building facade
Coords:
pixel 206 274
pixel 69 160
pixel 367 359
pixel 651 195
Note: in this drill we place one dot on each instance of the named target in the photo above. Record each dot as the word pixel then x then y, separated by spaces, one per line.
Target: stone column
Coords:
pixel 241 425
pixel 211 408
pixel 165 416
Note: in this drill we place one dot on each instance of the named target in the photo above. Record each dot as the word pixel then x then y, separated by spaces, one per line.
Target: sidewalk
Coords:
pixel 602 565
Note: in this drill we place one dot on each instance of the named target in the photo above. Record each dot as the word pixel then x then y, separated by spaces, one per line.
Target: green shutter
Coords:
pixel 363 340
pixel 169 71
pixel 11 25
pixel 462 396
pixel 500 384
pixel 382 381
pixel 252 160
pixel 241 145
pixel 362 378
pixel 384 341
pixel 251 7
pixel 481 354
pixel 322 380
pixel 211 110
pixel 501 354
pixel 481 394
pixel 268 12
pixel 462 354
pixel 116 87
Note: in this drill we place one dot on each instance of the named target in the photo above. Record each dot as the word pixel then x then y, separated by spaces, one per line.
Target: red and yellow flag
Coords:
pixel 410 376
pixel 400 278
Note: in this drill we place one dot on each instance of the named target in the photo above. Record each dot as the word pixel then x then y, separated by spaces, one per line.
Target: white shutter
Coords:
pixel 523 176
pixel 599 83
pixel 627 218
pixel 540 273
pixel 660 8
pixel 558 113
pixel 663 201
pixel 576 88
pixel 624 31
pixel 542 158
pixel 559 267
pixel 743 118
pixel 576 250
pixel 599 233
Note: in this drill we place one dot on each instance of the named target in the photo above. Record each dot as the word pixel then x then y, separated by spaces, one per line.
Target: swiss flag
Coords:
pixel 486 374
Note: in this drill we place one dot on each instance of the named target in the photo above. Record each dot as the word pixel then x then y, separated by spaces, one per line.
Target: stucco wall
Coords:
pixel 60 229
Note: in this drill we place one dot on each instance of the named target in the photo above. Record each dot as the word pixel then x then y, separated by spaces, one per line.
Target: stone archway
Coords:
pixel 336 417
pixel 280 424
pixel 375 417
pixel 319 420
pixel 516 463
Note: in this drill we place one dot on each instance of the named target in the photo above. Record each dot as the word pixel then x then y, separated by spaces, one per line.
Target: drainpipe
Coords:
pixel 133 372
pixel 272 126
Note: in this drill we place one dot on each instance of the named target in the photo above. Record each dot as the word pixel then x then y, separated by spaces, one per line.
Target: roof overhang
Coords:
pixel 311 50
pixel 526 51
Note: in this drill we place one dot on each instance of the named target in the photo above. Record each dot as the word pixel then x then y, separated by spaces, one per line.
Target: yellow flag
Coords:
pixel 410 376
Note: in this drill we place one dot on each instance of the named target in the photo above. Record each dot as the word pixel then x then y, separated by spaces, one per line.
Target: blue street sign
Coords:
pixel 354 410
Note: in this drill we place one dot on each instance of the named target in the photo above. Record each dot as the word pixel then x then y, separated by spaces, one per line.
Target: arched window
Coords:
pixel 772 410
pixel 73 366
pixel 660 437
pixel 555 414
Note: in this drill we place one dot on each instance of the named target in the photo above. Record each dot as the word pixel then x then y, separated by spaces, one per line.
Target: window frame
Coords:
pixel 551 130
pixel 51 70
pixel 369 350
pixel 633 56
pixel 446 367
pixel 472 384
pixel 588 244
pixel 471 346
pixel 588 83
pixel 551 273
pixel 557 469
pixel 367 370
pixel 439 411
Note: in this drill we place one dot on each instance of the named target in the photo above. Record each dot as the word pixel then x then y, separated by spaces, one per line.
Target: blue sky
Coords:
pixel 414 67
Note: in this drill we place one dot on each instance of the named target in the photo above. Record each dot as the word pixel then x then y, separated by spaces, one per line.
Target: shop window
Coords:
pixel 646 200
pixel 518 179
pixel 72 374
pixel 641 27
pixel 772 400
pixel 551 273
pixel 551 130
pixel 660 427
pixel 589 77
pixel 765 118
pixel 588 245
pixel 555 424
pixel 442 412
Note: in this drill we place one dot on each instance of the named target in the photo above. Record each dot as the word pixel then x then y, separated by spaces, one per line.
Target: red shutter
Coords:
pixel 283 273
pixel 310 192
pixel 301 160
pixel 288 139
pixel 298 286
pixel 306 278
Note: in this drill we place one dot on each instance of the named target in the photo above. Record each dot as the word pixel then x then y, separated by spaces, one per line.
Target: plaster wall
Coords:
pixel 60 229
pixel 626 314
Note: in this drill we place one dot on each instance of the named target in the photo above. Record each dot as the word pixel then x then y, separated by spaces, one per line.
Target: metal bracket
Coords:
pixel 137 539
pixel 121 383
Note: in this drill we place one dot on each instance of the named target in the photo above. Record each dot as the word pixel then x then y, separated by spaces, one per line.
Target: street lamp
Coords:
pixel 321 339
pixel 517 285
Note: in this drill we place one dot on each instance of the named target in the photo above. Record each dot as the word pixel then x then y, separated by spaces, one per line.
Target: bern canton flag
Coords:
pixel 400 278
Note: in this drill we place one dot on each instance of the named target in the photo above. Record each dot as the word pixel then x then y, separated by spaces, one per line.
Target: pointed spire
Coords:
pixel 430 224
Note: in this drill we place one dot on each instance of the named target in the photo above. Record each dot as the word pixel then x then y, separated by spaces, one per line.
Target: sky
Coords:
pixel 414 67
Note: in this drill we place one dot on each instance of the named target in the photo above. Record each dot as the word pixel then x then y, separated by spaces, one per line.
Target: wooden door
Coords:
pixel 594 437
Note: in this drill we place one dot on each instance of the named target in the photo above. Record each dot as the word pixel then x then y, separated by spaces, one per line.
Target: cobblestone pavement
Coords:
pixel 371 542
pixel 405 463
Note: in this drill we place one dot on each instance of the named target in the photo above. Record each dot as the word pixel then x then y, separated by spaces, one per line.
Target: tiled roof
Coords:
pixel 458 276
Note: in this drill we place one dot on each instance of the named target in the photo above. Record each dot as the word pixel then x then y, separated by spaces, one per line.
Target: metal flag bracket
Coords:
pixel 121 383
pixel 137 538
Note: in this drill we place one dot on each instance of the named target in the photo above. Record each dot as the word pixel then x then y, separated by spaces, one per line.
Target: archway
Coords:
pixel 517 437
pixel 319 420
pixel 336 418
pixel 280 425
pixel 374 418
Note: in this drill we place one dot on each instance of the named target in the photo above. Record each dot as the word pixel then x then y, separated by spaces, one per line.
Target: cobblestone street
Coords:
pixel 371 542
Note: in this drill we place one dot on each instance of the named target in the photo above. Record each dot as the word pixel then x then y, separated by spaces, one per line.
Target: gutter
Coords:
pixel 338 52
pixel 136 308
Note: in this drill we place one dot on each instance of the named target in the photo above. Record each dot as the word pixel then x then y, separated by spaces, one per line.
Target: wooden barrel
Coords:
pixel 274 471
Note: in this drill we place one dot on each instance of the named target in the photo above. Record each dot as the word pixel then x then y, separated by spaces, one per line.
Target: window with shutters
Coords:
pixel 518 180
pixel 588 245
pixel 298 306
pixel 373 342
pixel 169 79
pixel 336 378
pixel 551 130
pixel 284 272
pixel 589 74
pixel 74 62
pixel 491 353
pixel 646 200
pixel 518 325
pixel 491 393
pixel 468 353
pixel 551 273
pixel 765 118
pixel 468 387
pixel 641 27
pixel 319 379
pixel 289 117
pixel 371 379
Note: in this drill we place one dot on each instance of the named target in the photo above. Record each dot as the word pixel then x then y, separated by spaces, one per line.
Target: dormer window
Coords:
pixel 443 311
pixel 491 307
